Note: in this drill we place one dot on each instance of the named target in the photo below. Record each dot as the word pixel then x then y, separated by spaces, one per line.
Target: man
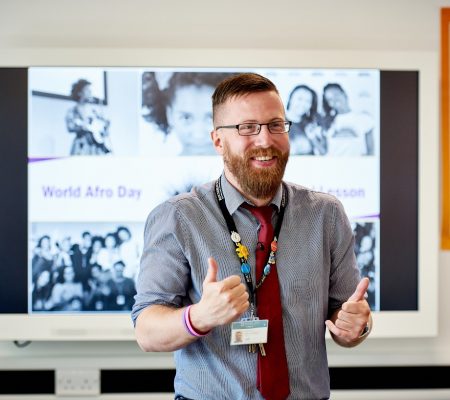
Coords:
pixel 81 254
pixel 193 258
pixel 124 286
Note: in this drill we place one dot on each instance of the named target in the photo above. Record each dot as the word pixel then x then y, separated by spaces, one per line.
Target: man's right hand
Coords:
pixel 222 301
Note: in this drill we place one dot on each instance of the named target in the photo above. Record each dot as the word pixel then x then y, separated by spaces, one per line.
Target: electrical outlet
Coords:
pixel 77 382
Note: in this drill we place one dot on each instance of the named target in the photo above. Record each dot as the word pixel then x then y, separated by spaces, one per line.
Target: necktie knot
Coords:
pixel 263 214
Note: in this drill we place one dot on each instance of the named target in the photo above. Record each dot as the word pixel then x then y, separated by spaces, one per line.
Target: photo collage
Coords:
pixel 106 145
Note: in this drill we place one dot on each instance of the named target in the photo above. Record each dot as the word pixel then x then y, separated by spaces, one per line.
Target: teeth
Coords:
pixel 265 158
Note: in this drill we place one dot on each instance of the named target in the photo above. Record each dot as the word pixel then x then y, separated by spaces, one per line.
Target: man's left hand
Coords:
pixel 348 323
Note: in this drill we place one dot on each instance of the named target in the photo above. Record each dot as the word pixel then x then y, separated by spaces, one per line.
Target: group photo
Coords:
pixel 77 267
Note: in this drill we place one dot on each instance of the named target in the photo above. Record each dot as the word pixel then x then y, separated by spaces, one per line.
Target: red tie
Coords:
pixel 273 375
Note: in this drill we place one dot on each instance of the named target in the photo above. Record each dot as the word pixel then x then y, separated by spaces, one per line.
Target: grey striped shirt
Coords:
pixel 316 269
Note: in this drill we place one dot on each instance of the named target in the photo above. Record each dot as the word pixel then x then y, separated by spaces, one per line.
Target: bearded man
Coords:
pixel 249 253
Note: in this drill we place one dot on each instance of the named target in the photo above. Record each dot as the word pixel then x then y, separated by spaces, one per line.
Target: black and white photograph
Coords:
pixel 306 135
pixel 176 112
pixel 83 112
pixel 347 132
pixel 367 256
pixel 83 267
pixel 332 114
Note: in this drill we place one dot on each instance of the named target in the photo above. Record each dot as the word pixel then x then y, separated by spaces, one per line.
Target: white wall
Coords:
pixel 86 32
pixel 251 24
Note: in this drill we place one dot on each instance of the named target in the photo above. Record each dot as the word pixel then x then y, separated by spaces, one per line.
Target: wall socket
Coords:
pixel 77 382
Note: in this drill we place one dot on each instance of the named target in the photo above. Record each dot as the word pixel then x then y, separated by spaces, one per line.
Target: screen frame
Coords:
pixel 387 324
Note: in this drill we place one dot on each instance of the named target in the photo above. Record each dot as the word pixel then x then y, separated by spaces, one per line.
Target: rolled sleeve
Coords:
pixel 164 270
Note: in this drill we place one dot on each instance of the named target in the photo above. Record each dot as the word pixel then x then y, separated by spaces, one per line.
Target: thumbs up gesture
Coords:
pixel 347 323
pixel 222 301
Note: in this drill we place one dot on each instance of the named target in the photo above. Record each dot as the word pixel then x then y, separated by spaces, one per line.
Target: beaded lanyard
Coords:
pixel 242 251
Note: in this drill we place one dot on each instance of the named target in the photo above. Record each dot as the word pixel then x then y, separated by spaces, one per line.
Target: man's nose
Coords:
pixel 264 138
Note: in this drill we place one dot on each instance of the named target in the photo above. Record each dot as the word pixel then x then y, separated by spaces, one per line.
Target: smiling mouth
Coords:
pixel 263 158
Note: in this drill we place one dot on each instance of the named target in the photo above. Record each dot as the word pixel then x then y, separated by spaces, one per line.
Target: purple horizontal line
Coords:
pixel 367 216
pixel 38 159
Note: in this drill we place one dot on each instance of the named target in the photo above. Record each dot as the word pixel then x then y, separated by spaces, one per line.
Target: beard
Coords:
pixel 258 183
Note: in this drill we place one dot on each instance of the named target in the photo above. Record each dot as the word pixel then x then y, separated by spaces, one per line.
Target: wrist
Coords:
pixel 363 335
pixel 367 329
pixel 198 320
pixel 193 328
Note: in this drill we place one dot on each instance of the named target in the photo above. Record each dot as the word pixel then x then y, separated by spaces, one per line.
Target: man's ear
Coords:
pixel 217 141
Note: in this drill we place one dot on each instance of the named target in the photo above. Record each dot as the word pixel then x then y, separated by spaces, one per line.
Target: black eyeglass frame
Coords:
pixel 287 125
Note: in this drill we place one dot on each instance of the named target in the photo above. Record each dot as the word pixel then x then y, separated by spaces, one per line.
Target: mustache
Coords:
pixel 263 152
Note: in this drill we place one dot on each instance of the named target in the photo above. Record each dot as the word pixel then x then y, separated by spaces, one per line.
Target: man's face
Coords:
pixel 118 270
pixel 190 118
pixel 87 240
pixel 253 164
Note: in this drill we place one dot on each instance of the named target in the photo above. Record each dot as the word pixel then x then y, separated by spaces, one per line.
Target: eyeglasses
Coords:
pixel 252 128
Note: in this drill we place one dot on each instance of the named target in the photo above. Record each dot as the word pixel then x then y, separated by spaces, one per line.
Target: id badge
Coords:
pixel 252 331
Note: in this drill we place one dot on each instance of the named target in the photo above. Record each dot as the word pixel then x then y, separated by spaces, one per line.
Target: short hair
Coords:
pixel 239 85
pixel 123 228
pixel 98 239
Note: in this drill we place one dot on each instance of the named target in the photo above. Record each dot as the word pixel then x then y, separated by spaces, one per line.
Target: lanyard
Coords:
pixel 241 250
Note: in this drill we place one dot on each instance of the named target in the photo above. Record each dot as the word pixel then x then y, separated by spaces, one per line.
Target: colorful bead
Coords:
pixel 242 251
pixel 235 237
pixel 274 246
pixel 267 269
pixel 271 259
pixel 245 268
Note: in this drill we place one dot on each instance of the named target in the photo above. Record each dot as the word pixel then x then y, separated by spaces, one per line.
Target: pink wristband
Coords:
pixel 187 323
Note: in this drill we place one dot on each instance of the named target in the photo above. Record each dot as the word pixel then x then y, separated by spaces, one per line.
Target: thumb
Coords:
pixel 211 275
pixel 360 290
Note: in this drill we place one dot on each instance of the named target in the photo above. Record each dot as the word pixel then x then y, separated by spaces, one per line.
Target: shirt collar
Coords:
pixel 234 199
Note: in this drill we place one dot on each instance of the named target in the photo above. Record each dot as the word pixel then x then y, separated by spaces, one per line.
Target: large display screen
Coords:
pixel 105 145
